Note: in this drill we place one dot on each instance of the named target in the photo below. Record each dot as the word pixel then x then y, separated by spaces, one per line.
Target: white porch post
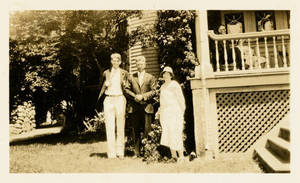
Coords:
pixel 202 44
pixel 199 90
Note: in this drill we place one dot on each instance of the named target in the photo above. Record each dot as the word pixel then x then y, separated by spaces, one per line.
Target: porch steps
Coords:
pixel 274 157
pixel 280 147
pixel 271 163
pixel 284 133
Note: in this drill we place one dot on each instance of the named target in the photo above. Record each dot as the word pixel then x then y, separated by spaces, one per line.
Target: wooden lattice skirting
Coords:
pixel 243 117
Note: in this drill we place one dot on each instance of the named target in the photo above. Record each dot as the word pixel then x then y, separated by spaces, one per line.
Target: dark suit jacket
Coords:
pixel 147 90
pixel 106 75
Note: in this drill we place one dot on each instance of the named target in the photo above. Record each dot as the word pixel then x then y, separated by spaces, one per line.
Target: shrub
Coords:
pixel 151 143
pixel 22 119
pixel 94 124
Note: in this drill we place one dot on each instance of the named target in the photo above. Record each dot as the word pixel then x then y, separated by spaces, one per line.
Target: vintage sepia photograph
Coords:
pixel 159 90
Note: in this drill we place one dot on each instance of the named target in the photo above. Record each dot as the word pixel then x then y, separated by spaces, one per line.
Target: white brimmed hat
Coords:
pixel 168 69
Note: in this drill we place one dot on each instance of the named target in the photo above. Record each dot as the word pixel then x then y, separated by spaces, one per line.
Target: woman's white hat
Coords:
pixel 168 69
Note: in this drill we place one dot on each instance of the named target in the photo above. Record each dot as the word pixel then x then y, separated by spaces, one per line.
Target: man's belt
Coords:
pixel 113 95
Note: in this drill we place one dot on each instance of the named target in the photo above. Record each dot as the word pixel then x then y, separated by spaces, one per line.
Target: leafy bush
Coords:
pixel 151 143
pixel 175 39
pixel 94 124
pixel 22 118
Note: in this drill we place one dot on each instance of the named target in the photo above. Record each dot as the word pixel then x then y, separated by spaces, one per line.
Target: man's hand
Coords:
pixel 138 98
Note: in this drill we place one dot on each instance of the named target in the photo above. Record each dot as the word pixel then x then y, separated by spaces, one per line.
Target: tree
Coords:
pixel 33 57
pixel 56 55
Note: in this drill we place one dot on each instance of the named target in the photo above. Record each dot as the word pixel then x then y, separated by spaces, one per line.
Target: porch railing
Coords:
pixel 255 51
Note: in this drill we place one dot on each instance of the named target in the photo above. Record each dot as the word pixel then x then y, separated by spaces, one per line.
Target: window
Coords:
pixel 265 20
pixel 234 23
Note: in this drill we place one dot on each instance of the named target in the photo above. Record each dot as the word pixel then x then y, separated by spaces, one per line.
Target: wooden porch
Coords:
pixel 235 104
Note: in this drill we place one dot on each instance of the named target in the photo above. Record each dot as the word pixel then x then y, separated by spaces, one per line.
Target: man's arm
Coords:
pixel 148 95
pixel 102 84
pixel 128 87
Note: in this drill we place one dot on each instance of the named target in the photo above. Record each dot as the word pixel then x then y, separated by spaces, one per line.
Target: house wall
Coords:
pixel 241 109
pixel 149 17
pixel 281 19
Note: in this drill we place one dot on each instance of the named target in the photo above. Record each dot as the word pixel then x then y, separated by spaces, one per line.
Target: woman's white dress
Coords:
pixel 172 106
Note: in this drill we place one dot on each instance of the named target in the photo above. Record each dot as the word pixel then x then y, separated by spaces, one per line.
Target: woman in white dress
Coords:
pixel 172 107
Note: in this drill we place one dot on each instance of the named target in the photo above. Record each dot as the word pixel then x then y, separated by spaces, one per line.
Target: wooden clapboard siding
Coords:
pixel 148 51
pixel 249 21
pixel 281 20
pixel 149 17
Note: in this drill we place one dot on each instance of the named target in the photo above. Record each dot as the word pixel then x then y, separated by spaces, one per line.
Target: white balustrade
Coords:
pixel 257 52
pixel 275 52
pixel 267 53
pixel 233 55
pixel 283 52
pixel 225 55
pixel 217 56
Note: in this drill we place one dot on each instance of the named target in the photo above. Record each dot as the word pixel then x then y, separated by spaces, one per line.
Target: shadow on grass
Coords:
pixel 64 138
pixel 48 125
pixel 104 155
pixel 99 155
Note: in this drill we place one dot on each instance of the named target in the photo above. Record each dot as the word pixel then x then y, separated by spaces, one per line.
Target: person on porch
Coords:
pixel 114 104
pixel 141 90
pixel 171 114
pixel 221 48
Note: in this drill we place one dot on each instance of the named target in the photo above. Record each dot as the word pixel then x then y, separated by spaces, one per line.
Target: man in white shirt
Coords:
pixel 114 105
pixel 141 89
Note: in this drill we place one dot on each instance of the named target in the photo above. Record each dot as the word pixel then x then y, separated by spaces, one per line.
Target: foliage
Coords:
pixel 22 118
pixel 33 60
pixel 36 38
pixel 56 55
pixel 174 36
pixel 94 124
pixel 175 41
pixel 151 143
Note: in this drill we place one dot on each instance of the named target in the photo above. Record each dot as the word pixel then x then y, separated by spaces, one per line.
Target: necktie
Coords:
pixel 140 78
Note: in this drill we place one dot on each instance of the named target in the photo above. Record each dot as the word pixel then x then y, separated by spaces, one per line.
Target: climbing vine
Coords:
pixel 174 36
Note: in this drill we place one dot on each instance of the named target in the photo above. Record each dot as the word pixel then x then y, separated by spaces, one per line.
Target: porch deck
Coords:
pixel 242 91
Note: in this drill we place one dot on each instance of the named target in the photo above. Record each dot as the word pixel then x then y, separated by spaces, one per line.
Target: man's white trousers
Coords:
pixel 114 113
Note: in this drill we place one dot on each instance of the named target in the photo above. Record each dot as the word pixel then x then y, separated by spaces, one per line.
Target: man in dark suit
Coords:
pixel 141 89
pixel 115 81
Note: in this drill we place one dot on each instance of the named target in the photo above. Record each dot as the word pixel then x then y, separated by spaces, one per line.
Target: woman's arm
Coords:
pixel 179 96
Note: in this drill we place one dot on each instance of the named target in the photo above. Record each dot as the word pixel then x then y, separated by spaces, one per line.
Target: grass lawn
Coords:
pixel 59 154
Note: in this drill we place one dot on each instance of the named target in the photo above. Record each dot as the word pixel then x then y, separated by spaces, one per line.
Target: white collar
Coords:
pixel 141 73
pixel 115 70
